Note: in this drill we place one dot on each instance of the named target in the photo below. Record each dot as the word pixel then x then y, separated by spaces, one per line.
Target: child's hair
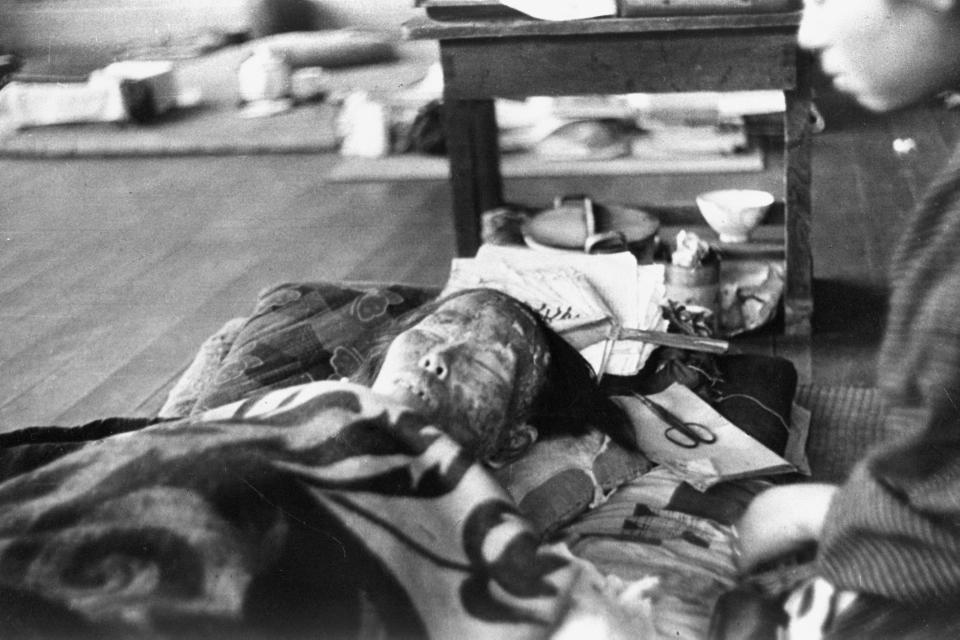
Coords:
pixel 570 402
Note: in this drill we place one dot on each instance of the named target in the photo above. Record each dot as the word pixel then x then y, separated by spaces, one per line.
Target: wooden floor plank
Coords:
pixel 415 248
pixel 109 265
pixel 69 363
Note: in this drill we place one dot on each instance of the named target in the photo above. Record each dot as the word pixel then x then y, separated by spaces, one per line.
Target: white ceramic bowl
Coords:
pixel 734 213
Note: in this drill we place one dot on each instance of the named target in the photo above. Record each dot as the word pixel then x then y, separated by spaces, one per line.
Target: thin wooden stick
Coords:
pixel 677 340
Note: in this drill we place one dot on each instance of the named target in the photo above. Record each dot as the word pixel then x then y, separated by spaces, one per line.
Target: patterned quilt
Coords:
pixel 318 510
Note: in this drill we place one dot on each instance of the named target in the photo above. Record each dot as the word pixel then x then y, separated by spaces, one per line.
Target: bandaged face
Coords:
pixel 474 365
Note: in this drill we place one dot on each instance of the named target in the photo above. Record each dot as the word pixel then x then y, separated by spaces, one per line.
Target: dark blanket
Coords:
pixel 318 510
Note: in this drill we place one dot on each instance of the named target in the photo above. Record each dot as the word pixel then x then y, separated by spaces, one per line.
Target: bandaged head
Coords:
pixel 475 365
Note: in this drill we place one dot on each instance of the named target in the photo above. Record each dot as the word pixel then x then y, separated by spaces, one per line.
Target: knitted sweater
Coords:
pixel 894 528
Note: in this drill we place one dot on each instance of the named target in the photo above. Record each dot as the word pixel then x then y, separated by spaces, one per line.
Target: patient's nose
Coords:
pixel 436 363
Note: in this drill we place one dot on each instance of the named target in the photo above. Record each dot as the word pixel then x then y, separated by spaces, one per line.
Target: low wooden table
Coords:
pixel 517 58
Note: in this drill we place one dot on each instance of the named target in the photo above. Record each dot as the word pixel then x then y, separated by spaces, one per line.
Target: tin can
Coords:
pixel 696 288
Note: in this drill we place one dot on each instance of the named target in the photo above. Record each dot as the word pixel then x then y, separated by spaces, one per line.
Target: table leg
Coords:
pixel 474 152
pixel 798 131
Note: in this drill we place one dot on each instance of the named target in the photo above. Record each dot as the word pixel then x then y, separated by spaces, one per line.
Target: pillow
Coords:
pixel 558 479
pixel 300 332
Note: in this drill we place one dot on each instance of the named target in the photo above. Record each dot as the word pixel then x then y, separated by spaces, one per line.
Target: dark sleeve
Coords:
pixel 894 528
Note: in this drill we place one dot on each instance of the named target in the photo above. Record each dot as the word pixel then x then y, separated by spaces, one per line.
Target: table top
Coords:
pixel 424 28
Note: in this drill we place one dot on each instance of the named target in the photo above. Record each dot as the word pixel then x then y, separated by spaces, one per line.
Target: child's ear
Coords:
pixel 520 439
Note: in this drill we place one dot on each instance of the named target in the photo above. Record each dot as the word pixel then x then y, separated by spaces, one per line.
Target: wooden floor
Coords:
pixel 112 272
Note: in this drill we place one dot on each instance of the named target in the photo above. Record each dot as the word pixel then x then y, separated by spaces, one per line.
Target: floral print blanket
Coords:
pixel 319 510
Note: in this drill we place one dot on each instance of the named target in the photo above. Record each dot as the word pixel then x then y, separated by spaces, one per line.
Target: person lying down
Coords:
pixel 492 370
pixel 328 508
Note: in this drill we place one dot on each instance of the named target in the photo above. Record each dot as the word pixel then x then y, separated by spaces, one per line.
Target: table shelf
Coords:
pixel 516 58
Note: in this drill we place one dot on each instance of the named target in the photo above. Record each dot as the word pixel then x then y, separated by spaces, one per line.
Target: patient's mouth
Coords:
pixel 416 396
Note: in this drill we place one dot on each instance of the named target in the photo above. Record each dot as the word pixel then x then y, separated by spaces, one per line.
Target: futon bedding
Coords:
pixel 319 510
pixel 324 507
pixel 287 502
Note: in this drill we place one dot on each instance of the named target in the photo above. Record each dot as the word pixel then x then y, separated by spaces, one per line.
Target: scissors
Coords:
pixel 688 435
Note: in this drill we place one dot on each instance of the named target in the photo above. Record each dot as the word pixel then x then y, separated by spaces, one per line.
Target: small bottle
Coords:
pixel 692 278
